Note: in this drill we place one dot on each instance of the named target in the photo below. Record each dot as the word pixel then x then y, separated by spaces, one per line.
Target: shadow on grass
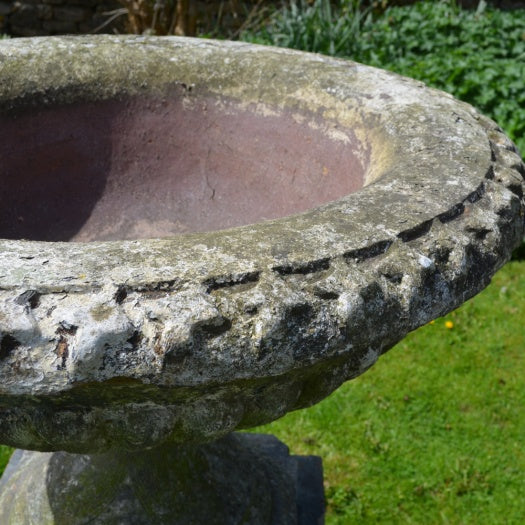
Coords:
pixel 519 253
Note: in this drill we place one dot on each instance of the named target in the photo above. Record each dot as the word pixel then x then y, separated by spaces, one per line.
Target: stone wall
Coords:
pixel 53 17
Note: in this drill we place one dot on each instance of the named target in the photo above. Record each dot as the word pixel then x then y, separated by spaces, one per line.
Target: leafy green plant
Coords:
pixel 317 26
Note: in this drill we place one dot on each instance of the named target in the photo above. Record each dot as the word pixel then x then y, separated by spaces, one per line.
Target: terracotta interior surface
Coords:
pixel 141 168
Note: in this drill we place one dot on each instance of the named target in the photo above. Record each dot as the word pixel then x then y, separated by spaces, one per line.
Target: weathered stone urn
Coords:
pixel 201 236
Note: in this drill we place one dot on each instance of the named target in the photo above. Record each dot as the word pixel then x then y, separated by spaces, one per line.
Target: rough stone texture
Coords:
pixel 241 479
pixel 130 344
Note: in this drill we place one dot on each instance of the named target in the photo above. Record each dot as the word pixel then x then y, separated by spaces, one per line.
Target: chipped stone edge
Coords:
pixel 450 251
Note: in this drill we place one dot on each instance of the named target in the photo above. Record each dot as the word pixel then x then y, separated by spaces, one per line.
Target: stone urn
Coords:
pixel 200 236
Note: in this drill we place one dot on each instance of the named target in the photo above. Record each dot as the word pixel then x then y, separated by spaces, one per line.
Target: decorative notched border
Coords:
pixel 134 343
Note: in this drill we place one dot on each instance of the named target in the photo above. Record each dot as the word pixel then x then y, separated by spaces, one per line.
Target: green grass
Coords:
pixel 434 432
pixel 5 453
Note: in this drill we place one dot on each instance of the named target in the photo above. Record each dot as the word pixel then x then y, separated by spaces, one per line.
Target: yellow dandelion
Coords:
pixel 449 324
pixel 432 322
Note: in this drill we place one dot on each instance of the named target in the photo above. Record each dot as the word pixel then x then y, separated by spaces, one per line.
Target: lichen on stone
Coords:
pixel 134 343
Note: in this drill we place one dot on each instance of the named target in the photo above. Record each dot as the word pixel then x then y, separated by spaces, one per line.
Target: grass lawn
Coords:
pixel 435 431
pixel 5 453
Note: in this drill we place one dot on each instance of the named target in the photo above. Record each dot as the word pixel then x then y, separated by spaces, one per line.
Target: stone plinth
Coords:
pixel 242 478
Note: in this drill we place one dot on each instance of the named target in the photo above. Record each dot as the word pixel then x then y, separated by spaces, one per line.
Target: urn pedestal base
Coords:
pixel 241 478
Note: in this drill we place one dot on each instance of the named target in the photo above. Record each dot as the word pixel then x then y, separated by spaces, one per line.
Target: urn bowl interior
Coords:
pixel 131 168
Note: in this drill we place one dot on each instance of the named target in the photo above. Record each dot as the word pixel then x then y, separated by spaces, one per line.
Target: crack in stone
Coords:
pixel 149 289
pixel 7 345
pixel 367 252
pixel 210 330
pixel 303 268
pixel 30 297
pixel 453 213
pixel 62 351
pixel 417 231
pixel 134 340
pixel 229 281
pixel 326 295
